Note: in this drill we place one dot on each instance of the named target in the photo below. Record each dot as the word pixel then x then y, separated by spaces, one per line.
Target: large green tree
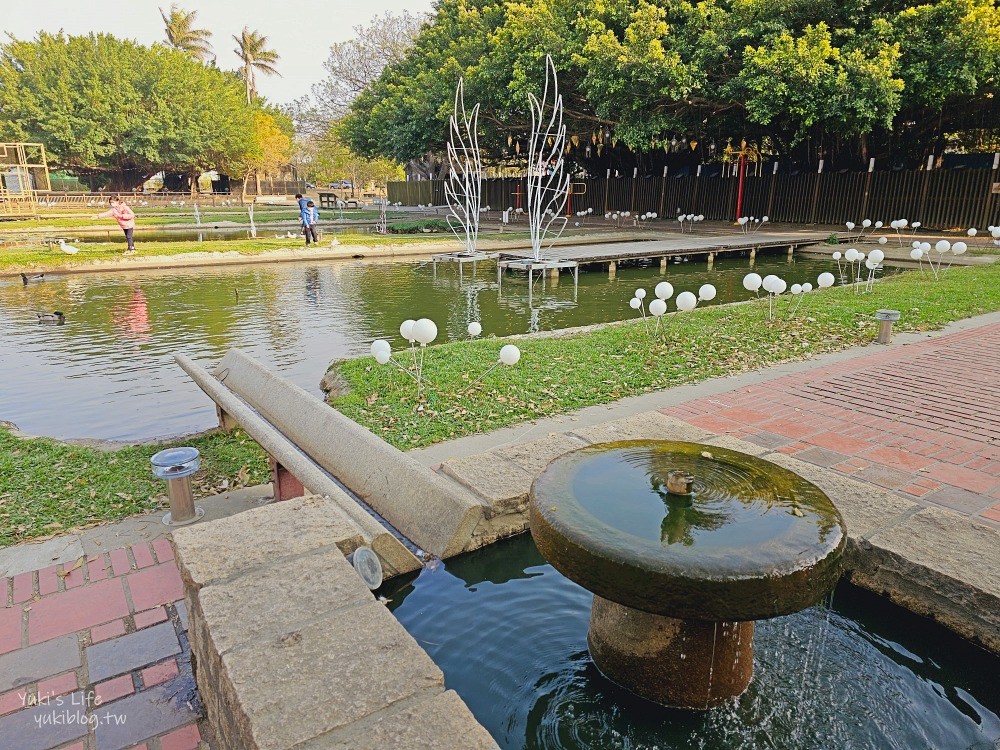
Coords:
pixel 113 108
pixel 646 80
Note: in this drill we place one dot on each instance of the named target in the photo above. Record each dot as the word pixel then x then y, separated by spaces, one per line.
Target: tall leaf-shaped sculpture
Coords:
pixel 464 188
pixel 548 185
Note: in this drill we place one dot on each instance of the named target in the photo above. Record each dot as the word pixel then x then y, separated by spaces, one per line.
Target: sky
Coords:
pixel 300 31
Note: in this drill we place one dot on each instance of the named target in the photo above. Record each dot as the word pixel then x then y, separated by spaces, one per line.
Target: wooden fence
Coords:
pixel 938 198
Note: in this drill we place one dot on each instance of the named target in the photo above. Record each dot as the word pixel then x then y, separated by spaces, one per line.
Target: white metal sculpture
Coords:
pixel 548 185
pixel 464 188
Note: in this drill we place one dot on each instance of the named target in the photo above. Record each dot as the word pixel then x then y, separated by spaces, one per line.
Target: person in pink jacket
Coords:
pixel 125 217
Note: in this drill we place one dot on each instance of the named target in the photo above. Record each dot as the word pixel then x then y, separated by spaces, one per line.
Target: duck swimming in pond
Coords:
pixel 25 279
pixel 56 318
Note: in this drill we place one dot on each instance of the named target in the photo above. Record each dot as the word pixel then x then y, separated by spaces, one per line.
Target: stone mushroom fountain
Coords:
pixel 684 546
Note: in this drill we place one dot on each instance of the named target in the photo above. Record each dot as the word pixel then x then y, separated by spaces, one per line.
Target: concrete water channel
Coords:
pixel 109 373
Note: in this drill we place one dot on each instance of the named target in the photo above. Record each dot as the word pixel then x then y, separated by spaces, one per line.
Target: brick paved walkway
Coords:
pixel 923 420
pixel 94 655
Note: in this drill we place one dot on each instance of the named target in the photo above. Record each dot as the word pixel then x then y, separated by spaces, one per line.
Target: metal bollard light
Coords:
pixel 176 465
pixel 886 318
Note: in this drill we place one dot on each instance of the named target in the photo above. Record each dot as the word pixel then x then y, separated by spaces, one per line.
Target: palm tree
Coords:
pixel 251 47
pixel 182 35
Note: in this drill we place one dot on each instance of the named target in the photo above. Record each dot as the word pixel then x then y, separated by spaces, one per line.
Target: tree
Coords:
pixel 328 158
pixel 270 146
pixel 182 34
pixel 114 109
pixel 644 80
pixel 354 65
pixel 251 47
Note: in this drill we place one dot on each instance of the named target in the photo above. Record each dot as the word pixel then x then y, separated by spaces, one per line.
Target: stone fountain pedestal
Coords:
pixel 684 546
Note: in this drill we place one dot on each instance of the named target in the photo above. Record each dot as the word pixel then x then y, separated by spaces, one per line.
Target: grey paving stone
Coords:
pixel 182 612
pixel 27 557
pixel 38 662
pixel 121 655
pixel 43 727
pixel 959 499
pixel 138 717
pixel 821 456
pixel 883 476
pixel 769 440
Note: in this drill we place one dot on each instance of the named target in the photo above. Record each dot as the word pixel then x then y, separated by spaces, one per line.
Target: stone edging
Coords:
pixel 290 648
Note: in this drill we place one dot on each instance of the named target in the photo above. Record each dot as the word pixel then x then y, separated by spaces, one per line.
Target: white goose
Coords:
pixel 68 249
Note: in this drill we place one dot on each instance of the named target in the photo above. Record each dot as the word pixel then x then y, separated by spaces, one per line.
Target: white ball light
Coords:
pixel 425 331
pixel 903 223
pixel 876 255
pixel 406 330
pixel 657 307
pixel 686 301
pixel 825 280
pixel 915 243
pixel 380 345
pixel 779 286
pixel 707 293
pixel 925 247
pixel 850 226
pixel 851 255
pixel 807 287
pixel 916 224
pixel 770 282
pixel 894 224
pixel 382 356
pixel 878 225
pixel 972 232
pixel 796 289
pixel 995 233
pixel 942 246
pixel 882 240
pixel 837 255
pixel 640 293
pixel 871 265
pixel 860 257
pixel 664 290
pixel 866 223
pixel 510 355
pixel 475 328
pixel 635 303
pixel 916 253
pixel 764 218
pixel 742 220
pixel 959 247
pixel 752 282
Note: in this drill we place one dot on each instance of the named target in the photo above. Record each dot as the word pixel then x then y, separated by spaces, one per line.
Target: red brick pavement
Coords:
pixel 923 419
pixel 108 597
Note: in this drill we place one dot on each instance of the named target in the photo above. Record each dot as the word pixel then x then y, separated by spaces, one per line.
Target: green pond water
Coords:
pixel 109 371
pixel 857 673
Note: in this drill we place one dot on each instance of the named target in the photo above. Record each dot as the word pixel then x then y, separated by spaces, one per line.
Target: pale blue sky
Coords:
pixel 300 30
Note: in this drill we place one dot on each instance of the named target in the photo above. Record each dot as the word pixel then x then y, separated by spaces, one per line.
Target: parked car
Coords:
pixel 342 185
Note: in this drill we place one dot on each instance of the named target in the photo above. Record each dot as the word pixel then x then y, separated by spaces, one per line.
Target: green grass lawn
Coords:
pixel 47 487
pixel 557 375
pixel 39 257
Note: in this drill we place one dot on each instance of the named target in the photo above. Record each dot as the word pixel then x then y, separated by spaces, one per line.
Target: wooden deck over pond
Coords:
pixel 683 244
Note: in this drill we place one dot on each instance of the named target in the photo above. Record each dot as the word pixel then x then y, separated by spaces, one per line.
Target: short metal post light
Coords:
pixel 176 465
pixel 885 320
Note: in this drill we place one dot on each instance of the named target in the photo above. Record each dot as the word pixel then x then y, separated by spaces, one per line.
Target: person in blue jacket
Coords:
pixel 310 217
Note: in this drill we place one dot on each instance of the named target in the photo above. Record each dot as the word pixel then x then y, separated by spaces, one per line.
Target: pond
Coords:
pixel 109 371
pixel 510 634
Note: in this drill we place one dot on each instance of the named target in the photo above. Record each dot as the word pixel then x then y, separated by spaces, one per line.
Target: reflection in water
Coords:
pixel 510 632
pixel 109 372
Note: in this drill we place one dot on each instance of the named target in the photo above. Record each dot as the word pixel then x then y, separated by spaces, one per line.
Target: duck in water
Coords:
pixel 25 279
pixel 52 318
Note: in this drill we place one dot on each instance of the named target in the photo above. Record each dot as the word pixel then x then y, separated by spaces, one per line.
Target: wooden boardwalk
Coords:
pixel 693 243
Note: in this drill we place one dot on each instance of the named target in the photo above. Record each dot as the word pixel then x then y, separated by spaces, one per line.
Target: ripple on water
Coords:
pixel 509 632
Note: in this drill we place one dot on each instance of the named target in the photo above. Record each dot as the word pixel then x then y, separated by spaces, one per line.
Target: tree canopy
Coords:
pixel 182 34
pixel 645 81
pixel 113 108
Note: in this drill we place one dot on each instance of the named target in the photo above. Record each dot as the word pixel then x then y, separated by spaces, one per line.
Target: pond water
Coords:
pixel 509 633
pixel 109 371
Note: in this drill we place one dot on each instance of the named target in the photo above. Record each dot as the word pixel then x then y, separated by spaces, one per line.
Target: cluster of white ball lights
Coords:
pixel 751 223
pixel 994 233
pixel 686 301
pixel 649 215
pixel 583 215
pixel 922 251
